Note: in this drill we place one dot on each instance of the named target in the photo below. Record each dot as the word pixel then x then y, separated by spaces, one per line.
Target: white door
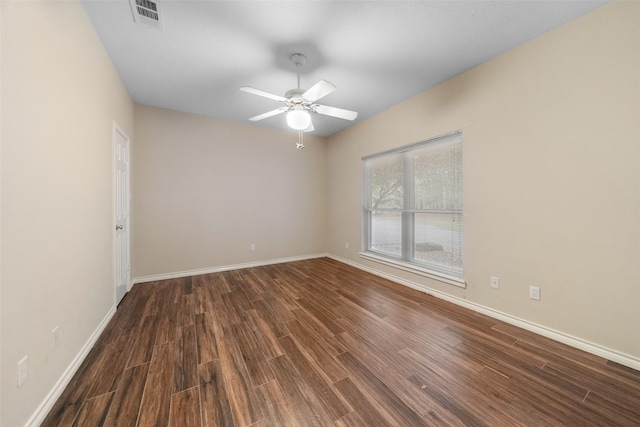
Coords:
pixel 122 204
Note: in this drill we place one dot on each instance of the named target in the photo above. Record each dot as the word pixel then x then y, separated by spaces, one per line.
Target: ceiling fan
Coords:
pixel 298 102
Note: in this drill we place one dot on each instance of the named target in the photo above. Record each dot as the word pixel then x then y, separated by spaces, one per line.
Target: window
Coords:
pixel 413 207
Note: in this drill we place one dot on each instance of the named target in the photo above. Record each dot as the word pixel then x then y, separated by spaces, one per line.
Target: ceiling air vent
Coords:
pixel 146 12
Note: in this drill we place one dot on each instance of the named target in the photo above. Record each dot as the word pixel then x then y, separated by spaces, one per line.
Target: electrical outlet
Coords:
pixel 346 245
pixel 534 293
pixel 495 282
pixel 23 370
pixel 55 338
pixel 253 247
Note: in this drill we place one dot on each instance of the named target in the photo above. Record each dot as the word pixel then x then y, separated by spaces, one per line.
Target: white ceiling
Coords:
pixel 377 53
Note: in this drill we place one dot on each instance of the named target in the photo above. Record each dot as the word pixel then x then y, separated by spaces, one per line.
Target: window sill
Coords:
pixel 435 275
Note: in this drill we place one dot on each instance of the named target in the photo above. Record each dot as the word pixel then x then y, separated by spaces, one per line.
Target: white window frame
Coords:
pixel 406 260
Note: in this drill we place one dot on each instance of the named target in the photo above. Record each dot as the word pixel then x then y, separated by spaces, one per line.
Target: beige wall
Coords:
pixel 552 177
pixel 205 189
pixel 60 96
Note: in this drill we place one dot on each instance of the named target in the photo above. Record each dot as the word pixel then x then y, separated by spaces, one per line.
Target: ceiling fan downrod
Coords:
pixel 298 60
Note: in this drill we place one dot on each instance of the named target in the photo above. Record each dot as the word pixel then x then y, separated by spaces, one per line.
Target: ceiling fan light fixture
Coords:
pixel 298 119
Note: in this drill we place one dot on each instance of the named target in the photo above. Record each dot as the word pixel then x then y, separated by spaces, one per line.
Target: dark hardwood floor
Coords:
pixel 319 343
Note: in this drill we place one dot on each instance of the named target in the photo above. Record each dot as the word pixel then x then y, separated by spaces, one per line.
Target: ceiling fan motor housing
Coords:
pixel 298 59
pixel 294 98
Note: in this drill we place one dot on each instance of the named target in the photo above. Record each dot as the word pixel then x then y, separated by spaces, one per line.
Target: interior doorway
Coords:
pixel 122 202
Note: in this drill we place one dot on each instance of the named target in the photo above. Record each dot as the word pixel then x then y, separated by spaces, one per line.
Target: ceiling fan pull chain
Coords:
pixel 300 144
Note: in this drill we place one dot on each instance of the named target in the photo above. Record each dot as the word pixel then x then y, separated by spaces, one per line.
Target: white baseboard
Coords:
pixel 165 276
pixel 614 356
pixel 43 409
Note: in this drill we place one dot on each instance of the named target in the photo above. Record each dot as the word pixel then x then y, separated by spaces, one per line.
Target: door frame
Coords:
pixel 117 129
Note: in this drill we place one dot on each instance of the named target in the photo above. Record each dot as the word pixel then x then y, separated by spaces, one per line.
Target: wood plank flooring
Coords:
pixel 319 343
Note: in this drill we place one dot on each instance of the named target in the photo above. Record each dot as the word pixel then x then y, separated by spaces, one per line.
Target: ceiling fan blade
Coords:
pixel 310 128
pixel 318 90
pixel 269 114
pixel 262 93
pixel 335 112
